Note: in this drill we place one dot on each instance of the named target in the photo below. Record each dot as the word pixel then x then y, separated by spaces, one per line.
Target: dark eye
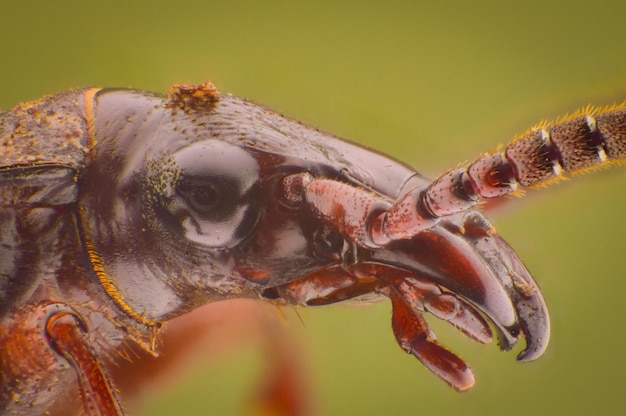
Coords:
pixel 209 197
pixel 216 194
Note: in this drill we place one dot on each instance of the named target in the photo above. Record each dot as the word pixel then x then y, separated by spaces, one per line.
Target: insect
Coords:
pixel 123 209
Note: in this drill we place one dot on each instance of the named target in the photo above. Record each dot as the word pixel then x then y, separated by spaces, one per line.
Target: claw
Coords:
pixel 448 260
pixel 526 296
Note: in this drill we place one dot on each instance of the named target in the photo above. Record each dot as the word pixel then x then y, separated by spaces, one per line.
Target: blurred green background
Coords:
pixel 432 83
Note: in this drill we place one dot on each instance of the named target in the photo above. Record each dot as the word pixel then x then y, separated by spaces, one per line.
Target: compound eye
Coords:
pixel 216 194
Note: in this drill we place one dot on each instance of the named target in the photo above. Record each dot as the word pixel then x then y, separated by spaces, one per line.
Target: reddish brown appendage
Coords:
pixel 348 208
pixel 414 336
pixel 423 295
pixel 48 345
pixel 411 296
pixel 68 337
pixel 283 389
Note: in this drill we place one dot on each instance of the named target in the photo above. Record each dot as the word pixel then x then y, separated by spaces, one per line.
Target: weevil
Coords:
pixel 122 209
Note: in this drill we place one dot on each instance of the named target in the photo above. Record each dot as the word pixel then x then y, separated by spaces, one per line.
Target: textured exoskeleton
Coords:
pixel 121 210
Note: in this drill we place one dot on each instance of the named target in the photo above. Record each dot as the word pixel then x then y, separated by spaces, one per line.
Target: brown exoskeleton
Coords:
pixel 121 210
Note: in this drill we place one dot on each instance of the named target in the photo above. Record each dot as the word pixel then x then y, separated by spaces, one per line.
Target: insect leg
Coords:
pixel 68 336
